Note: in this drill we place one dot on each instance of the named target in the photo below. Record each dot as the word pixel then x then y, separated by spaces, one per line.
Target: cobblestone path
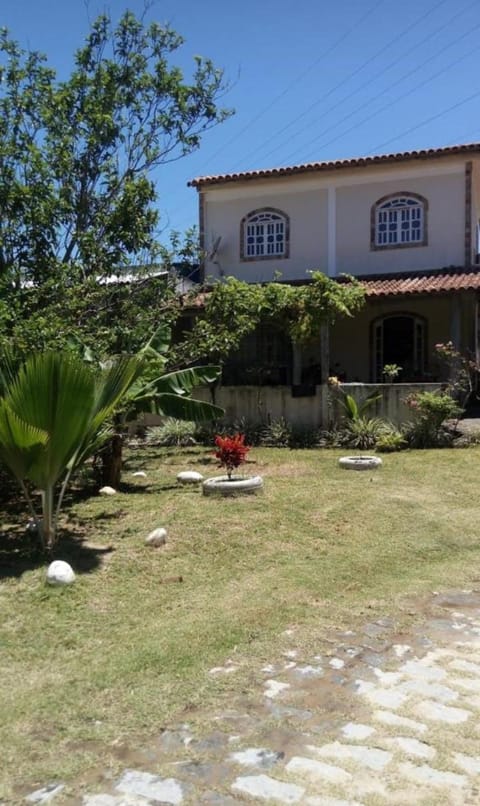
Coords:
pixel 380 719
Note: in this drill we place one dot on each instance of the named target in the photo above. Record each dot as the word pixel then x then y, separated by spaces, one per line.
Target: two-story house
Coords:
pixel 405 224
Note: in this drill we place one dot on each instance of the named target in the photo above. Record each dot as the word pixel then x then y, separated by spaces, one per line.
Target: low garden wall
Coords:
pixel 266 403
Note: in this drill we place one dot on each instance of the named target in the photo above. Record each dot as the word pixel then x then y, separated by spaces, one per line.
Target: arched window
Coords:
pixel 399 339
pixel 264 235
pixel 399 220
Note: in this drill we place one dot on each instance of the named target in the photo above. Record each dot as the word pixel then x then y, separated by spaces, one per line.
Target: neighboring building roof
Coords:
pixel 432 282
pixel 355 162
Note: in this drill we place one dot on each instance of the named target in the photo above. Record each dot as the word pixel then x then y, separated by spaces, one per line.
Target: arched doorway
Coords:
pixel 399 339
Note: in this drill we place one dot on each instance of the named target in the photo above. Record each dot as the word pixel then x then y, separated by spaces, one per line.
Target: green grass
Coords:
pixel 126 650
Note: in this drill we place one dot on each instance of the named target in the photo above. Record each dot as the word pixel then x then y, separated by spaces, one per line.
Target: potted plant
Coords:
pixel 231 452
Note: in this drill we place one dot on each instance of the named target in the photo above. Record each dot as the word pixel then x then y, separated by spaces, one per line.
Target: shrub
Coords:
pixel 231 452
pixel 363 432
pixel 303 436
pixel 431 410
pixel 251 430
pixel 390 441
pixel 276 434
pixel 172 433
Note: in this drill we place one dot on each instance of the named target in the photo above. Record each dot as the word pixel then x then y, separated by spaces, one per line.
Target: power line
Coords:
pixel 295 81
pixel 390 104
pixel 390 87
pixel 424 122
pixel 352 74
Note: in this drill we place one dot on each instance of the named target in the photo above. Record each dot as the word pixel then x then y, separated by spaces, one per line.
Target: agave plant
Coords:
pixel 53 410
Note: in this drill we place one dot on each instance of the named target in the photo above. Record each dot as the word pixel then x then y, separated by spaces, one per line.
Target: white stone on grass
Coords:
pixel 399 721
pixel 370 757
pixel 442 713
pixel 308 671
pixel 423 688
pixel 255 757
pixel 274 687
pixel 322 801
pixel 387 678
pixel 46 794
pixel 387 698
pixel 266 788
pixel 165 790
pixel 401 649
pixel 139 474
pixel 412 747
pixel 465 666
pixel 107 491
pixel 60 573
pixel 115 800
pixel 423 670
pixel 429 776
pixel 469 764
pixel 189 477
pixel 355 730
pixel 317 770
pixel 336 663
pixel 469 684
pixel 156 538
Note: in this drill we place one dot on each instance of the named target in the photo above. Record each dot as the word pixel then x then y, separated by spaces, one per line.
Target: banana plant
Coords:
pixel 158 392
pixel 53 411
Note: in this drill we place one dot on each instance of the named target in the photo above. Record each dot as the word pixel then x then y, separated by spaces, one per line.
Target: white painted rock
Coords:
pixel 107 491
pixel 140 474
pixel 60 573
pixel 189 477
pixel 156 538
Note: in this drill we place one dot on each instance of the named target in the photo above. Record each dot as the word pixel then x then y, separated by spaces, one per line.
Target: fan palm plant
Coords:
pixel 53 410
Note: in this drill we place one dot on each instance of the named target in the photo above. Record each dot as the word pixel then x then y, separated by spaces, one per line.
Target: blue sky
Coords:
pixel 310 80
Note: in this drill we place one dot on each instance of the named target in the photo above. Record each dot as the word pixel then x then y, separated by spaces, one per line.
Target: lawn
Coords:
pixel 126 650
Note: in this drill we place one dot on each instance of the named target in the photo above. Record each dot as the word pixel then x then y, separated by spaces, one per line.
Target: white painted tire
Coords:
pixel 360 462
pixel 222 485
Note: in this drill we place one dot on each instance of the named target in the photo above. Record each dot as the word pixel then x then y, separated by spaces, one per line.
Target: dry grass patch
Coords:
pixel 125 652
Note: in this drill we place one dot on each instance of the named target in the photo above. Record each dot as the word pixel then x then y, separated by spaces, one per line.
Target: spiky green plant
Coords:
pixel 53 411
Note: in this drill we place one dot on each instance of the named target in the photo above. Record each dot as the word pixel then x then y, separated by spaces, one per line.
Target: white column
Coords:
pixel 331 231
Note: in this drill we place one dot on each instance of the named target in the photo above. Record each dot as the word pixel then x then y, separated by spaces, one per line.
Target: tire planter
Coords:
pixel 359 462
pixel 237 485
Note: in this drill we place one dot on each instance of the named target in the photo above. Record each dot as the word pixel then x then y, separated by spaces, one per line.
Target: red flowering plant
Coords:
pixel 231 452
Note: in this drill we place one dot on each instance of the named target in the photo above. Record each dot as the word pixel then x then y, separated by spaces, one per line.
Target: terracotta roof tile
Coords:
pixel 355 162
pixel 425 283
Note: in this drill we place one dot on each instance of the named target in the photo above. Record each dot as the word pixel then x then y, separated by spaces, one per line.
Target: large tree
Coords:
pixel 78 202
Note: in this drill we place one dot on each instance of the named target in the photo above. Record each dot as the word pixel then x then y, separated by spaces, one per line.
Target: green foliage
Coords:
pixel 391 441
pixel 172 433
pixel 391 371
pixel 462 370
pixel 52 416
pixel 363 432
pixel 354 411
pixel 431 410
pixel 276 434
pixel 77 155
pixel 78 204
pixel 234 309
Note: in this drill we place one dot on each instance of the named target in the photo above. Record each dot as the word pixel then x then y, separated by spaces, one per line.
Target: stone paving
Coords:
pixel 380 718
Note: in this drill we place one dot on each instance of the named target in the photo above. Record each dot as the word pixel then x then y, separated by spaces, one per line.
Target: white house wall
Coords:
pixel 330 220
pixel 307 211
pixel 445 195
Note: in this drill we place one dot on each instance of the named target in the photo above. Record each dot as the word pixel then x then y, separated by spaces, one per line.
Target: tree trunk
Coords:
pixel 112 461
